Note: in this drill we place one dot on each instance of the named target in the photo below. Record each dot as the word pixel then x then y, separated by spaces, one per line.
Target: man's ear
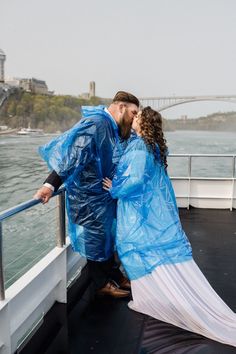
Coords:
pixel 121 107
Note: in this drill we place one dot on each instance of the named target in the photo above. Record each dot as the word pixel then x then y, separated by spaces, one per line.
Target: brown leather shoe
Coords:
pixel 111 290
pixel 124 283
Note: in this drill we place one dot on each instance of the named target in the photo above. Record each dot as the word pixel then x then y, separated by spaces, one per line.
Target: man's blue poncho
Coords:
pixel 82 157
pixel 149 231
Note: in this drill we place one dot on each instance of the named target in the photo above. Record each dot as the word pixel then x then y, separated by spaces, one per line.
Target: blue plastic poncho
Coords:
pixel 82 157
pixel 149 231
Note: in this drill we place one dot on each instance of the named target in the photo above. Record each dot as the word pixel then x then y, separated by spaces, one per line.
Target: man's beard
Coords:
pixel 124 129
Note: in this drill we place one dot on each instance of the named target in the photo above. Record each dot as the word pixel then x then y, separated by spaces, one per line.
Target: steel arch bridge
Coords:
pixel 162 103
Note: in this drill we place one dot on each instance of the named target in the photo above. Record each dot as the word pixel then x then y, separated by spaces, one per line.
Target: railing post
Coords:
pixel 189 181
pixel 2 287
pixel 233 166
pixel 61 220
pixel 233 183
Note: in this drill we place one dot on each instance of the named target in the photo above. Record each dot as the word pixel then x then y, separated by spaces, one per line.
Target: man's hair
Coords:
pixel 122 96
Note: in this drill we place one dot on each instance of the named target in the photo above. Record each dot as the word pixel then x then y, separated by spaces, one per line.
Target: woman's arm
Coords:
pixel 130 175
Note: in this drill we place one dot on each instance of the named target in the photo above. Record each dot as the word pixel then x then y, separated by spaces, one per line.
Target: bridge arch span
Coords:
pixel 163 103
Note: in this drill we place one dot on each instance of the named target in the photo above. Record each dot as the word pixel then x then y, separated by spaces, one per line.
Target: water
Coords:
pixel 201 142
pixel 21 168
pixel 22 172
pixel 28 236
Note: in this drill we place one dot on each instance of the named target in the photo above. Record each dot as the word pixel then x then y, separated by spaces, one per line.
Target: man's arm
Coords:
pixel 51 184
pixel 66 154
pixel 54 180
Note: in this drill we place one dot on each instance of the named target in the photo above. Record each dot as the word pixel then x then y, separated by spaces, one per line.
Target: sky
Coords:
pixel 147 47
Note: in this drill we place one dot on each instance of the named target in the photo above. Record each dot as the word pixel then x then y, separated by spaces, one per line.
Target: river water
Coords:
pixel 29 235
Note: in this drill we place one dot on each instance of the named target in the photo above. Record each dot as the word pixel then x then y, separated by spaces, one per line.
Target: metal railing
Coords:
pixel 190 158
pixel 190 177
pixel 61 206
pixel 61 229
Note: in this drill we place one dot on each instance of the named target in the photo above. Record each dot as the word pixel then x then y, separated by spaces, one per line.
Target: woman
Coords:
pixel 156 254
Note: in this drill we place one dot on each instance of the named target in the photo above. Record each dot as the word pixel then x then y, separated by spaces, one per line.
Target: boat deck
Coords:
pixel 106 326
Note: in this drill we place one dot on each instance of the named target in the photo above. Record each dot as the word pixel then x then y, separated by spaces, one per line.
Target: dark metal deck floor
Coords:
pixel 107 326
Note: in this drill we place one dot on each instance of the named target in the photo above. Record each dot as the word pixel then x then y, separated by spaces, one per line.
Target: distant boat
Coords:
pixel 30 131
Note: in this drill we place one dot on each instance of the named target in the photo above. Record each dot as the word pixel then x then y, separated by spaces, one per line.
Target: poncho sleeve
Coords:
pixel 130 175
pixel 71 151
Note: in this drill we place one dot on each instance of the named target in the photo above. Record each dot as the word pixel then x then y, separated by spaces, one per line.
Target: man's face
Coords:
pixel 136 122
pixel 128 112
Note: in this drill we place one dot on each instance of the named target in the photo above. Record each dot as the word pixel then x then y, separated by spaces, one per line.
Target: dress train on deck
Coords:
pixel 180 294
pixel 156 253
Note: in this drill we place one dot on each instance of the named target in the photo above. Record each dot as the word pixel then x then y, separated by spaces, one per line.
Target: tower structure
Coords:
pixel 92 89
pixel 2 62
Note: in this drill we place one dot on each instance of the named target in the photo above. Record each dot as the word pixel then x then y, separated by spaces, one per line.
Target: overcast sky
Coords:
pixel 147 47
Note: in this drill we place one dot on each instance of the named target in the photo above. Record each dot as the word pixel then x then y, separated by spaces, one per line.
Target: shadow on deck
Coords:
pixel 89 325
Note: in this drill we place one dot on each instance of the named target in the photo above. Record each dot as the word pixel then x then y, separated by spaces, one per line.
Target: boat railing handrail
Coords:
pixel 202 155
pixel 191 156
pixel 32 202
pixel 61 234
pixel 192 178
pixel 61 205
pixel 5 214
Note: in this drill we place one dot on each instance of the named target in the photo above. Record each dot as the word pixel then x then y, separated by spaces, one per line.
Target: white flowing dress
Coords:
pixel 156 253
pixel 181 295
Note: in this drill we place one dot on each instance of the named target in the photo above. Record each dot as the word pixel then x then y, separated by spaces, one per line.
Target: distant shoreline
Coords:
pixel 8 131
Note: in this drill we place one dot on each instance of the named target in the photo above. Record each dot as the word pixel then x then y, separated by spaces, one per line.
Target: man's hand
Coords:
pixel 107 183
pixel 44 193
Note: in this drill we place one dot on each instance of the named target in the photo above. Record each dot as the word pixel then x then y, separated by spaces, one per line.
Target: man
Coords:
pixel 80 158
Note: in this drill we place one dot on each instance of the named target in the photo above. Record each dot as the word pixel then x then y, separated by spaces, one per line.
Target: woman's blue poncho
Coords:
pixel 149 232
pixel 82 157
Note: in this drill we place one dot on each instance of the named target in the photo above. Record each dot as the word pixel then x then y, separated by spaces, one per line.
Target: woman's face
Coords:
pixel 136 122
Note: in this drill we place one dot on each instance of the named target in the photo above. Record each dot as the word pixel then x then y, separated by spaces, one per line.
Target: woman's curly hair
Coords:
pixel 152 133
